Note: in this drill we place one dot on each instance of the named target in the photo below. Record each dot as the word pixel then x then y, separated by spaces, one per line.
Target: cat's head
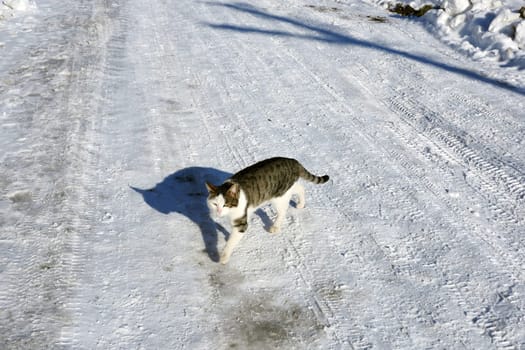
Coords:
pixel 221 199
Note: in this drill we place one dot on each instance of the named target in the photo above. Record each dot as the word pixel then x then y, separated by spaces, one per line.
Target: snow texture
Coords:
pixel 113 114
pixel 482 29
pixel 12 8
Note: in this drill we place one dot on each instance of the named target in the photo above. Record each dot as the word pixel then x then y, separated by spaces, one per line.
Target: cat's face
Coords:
pixel 217 206
pixel 222 199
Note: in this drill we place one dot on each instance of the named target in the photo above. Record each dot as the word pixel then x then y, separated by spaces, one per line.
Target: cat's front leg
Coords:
pixel 235 238
pixel 239 227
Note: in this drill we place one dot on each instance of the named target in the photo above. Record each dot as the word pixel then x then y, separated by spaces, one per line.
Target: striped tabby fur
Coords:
pixel 274 180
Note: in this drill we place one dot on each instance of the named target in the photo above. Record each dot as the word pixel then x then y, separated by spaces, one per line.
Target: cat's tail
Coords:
pixel 308 176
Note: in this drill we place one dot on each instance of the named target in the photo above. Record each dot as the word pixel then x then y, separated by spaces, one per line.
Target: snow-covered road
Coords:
pixel 113 114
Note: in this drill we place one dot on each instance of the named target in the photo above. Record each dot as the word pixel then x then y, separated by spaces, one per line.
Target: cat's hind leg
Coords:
pixel 298 190
pixel 281 206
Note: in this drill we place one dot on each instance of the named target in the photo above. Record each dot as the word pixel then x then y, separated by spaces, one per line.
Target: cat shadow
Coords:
pixel 265 218
pixel 267 222
pixel 184 192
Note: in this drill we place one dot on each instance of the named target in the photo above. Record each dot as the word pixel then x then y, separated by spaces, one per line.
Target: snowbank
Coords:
pixel 10 8
pixel 482 29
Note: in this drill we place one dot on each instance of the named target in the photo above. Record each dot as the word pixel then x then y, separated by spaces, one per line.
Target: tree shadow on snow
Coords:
pixel 322 34
pixel 184 192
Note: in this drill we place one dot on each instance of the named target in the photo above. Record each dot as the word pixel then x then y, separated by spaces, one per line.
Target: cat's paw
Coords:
pixel 224 259
pixel 274 229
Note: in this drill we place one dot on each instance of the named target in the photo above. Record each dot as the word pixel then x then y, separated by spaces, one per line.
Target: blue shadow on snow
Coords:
pixel 184 192
pixel 333 37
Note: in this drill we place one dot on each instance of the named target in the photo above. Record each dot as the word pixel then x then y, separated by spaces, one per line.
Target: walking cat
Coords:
pixel 274 180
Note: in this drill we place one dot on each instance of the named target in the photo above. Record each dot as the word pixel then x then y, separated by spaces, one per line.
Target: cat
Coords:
pixel 274 180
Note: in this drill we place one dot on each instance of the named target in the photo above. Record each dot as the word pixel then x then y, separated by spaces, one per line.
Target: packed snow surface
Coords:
pixel 11 8
pixel 113 114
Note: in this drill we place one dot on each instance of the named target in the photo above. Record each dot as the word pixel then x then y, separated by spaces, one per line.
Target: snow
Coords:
pixel 113 114
pixel 482 29
pixel 12 8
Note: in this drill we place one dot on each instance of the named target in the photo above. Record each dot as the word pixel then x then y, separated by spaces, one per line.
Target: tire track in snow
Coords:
pixel 494 176
pixel 242 157
pixel 372 247
pixel 326 293
pixel 461 292
pixel 404 262
pixel 416 214
pixel 101 195
pixel 171 146
pixel 210 119
pixel 501 176
pixel 330 310
pixel 91 92
pixel 244 148
pixel 43 278
pixel 503 201
pixel 474 108
pixel 444 195
pixel 205 130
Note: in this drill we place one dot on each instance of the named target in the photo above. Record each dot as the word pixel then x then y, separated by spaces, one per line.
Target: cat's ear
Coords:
pixel 211 187
pixel 233 191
